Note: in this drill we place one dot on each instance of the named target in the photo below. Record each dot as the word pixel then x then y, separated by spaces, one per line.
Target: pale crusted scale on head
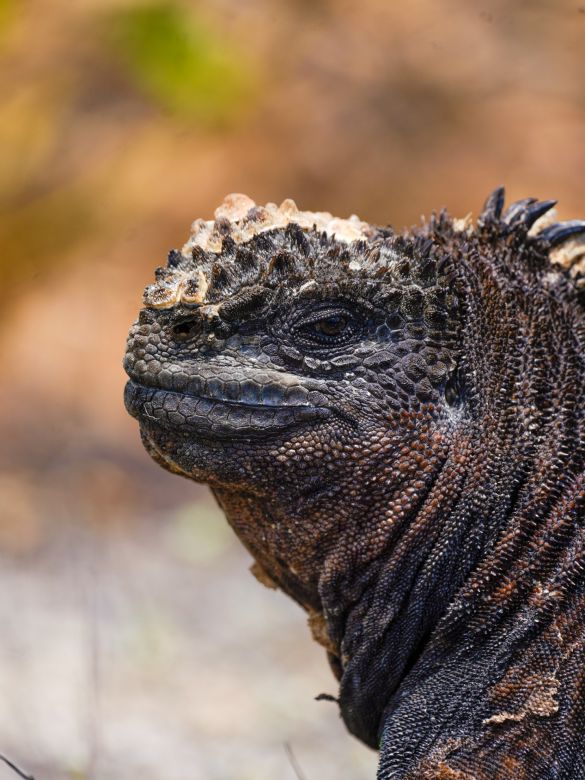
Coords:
pixel 245 220
pixel 463 224
pixel 240 219
pixel 571 254
pixel 235 207
pixel 194 288
pixel 173 287
pixel 165 292
pixel 160 296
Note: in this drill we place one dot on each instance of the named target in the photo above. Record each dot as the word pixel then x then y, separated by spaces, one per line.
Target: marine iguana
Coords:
pixel 394 427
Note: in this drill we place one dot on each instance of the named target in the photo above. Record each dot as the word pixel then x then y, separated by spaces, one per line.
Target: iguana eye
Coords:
pixel 326 328
pixel 334 325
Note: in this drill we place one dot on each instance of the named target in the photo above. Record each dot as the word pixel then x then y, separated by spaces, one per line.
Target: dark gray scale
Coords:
pixel 535 211
pixel 492 209
pixel 526 212
pixel 561 231
pixel 514 213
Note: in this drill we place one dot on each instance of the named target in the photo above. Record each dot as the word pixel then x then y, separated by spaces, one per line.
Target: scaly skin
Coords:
pixel 394 428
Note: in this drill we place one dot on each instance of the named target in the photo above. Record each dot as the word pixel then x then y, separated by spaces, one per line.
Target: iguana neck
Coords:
pixel 470 617
pixel 453 571
pixel 490 558
pixel 368 570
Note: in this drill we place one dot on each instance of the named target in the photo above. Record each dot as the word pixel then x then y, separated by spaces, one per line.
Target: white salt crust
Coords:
pixel 241 219
pixel 248 220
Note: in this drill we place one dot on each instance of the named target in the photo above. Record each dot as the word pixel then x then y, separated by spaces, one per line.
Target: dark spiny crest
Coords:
pixel 425 257
pixel 293 256
pixel 520 216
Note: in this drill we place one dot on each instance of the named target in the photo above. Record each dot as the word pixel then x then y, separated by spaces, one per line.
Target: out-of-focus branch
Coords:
pixel 14 768
pixel 300 775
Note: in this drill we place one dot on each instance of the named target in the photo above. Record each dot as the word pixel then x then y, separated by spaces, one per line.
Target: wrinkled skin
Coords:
pixel 394 428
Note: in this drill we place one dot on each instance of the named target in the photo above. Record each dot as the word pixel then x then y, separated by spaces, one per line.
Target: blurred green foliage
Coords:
pixel 40 231
pixel 180 62
pixel 6 14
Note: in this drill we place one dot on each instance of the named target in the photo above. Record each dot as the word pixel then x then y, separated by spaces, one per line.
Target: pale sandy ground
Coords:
pixel 157 656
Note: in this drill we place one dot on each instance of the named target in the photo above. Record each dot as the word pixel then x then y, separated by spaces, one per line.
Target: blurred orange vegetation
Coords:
pixel 127 650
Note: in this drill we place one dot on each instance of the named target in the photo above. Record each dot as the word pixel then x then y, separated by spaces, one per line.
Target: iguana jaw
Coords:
pixel 221 398
pixel 217 417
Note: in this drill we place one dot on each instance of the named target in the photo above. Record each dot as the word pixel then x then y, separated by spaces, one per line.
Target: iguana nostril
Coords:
pixel 185 329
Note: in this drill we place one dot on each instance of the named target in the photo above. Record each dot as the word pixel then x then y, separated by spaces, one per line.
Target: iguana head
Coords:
pixel 291 354
pixel 277 338
pixel 340 386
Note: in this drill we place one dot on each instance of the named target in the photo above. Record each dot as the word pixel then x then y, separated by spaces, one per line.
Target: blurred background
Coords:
pixel 134 643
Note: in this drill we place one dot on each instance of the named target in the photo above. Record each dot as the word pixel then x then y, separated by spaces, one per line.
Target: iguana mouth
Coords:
pixel 220 417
